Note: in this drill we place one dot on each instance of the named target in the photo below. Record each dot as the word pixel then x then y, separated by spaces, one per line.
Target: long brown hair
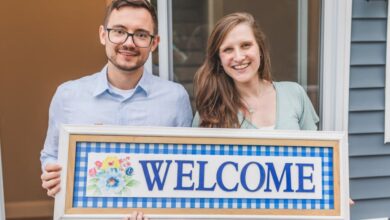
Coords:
pixel 217 99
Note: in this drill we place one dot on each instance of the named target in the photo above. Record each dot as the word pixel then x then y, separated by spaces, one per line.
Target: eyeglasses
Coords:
pixel 140 38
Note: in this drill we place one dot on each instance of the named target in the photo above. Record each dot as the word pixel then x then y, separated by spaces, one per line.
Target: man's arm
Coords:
pixel 50 169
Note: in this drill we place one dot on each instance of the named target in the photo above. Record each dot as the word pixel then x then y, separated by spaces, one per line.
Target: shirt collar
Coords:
pixel 101 82
pixel 102 85
pixel 145 82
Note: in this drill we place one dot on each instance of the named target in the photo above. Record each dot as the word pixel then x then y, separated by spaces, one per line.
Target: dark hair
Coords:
pixel 216 97
pixel 117 4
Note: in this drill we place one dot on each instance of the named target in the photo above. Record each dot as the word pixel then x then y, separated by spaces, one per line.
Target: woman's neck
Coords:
pixel 254 88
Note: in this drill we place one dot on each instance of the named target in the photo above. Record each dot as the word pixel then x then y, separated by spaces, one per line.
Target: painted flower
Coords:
pixel 111 162
pixel 111 183
pixel 129 171
pixel 92 172
pixel 98 164
pixel 111 176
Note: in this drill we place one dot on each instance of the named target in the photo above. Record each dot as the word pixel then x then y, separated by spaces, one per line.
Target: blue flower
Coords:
pixel 129 171
pixel 111 183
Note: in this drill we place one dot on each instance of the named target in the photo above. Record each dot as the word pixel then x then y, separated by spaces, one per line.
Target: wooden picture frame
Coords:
pixel 188 173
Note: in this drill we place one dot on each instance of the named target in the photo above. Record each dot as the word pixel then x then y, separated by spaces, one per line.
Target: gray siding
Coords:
pixel 369 156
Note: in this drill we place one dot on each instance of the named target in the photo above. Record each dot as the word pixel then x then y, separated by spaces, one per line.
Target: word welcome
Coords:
pixel 216 176
pixel 268 176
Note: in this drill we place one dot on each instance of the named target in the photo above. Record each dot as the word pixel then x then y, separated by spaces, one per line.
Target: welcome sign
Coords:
pixel 201 173
pixel 199 176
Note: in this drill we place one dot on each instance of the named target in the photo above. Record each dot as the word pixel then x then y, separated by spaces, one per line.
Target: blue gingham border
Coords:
pixel 80 179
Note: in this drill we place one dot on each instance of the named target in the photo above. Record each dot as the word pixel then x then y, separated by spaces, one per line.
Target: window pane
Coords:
pixel 292 28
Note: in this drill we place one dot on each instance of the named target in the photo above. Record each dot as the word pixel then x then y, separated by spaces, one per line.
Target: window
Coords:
pixel 309 43
pixel 293 40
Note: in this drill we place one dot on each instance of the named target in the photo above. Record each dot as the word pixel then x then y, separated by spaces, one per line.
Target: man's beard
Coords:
pixel 113 60
pixel 124 67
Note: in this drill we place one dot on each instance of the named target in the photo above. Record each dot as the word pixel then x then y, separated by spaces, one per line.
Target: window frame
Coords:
pixel 387 82
pixel 335 68
pixel 165 48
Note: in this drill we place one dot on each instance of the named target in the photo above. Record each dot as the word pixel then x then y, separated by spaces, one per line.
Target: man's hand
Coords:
pixel 51 179
pixel 136 216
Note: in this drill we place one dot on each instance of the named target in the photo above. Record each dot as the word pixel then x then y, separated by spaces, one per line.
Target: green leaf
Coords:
pixel 131 183
pixel 92 187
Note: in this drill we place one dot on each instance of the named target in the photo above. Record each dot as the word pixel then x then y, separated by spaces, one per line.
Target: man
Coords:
pixel 123 93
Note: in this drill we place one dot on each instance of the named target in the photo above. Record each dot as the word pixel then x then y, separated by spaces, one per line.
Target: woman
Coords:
pixel 234 87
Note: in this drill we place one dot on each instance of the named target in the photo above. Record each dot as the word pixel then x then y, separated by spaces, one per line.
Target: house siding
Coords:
pixel 369 156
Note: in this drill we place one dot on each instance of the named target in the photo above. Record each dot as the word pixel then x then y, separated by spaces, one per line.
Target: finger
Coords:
pixel 133 215
pixel 50 193
pixel 140 216
pixel 51 183
pixel 50 175
pixel 55 190
pixel 52 167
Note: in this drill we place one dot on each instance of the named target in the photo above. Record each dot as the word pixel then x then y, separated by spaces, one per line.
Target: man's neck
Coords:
pixel 124 80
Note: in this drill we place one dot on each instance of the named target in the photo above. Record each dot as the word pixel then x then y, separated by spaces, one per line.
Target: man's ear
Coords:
pixel 102 35
pixel 155 42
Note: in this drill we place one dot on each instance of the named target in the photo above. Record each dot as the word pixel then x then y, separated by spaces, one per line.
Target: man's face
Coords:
pixel 126 56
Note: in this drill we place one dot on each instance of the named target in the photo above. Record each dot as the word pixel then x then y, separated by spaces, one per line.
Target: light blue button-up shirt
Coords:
pixel 90 100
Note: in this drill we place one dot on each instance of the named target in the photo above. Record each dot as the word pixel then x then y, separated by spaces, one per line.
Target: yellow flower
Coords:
pixel 111 162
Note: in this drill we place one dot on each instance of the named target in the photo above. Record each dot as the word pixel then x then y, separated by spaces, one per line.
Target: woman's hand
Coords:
pixel 136 216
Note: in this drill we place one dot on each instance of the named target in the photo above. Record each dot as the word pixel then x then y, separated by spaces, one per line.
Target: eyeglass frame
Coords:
pixel 127 37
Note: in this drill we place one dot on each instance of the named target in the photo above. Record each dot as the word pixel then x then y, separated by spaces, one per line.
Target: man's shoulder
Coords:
pixel 80 82
pixel 77 86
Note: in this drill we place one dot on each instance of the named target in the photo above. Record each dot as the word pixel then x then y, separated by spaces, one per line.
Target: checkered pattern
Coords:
pixel 83 148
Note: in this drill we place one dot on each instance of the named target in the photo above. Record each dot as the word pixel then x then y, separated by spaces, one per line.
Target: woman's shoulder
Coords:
pixel 287 87
pixel 196 120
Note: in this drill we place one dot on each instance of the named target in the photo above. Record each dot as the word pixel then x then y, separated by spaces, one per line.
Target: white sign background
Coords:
pixel 230 176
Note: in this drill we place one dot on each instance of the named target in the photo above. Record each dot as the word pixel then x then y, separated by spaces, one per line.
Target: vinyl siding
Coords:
pixel 369 156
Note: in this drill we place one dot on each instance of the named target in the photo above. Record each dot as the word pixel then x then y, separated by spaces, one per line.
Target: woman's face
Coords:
pixel 240 54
